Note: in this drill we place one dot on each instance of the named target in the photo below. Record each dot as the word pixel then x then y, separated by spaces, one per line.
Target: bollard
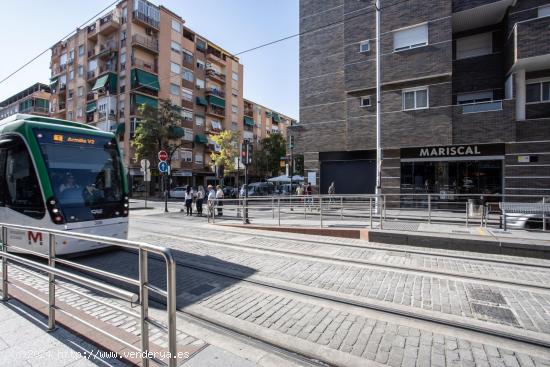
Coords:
pixel 144 304
pixel 51 284
pixel 4 265
pixel 321 211
pixel 272 208
pixel 429 209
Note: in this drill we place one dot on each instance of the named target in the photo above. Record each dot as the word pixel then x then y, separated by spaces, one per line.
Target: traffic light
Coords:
pixel 250 153
pixel 291 142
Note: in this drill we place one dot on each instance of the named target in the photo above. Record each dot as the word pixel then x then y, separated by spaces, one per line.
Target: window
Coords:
pixel 81 50
pixel 79 112
pixel 364 46
pixel 92 65
pixel 80 91
pixel 538 92
pixel 174 89
pixel 187 115
pixel 412 37
pixel 472 46
pixel 71 74
pixel 70 115
pixel 70 94
pixel 71 55
pixel 187 94
pixel 187 75
pixel 187 56
pixel 19 185
pixel 188 134
pixel 415 99
pixel 235 76
pixel 199 158
pixel 175 68
pixel 200 65
pixel 176 25
pixel 199 120
pixel 199 83
pixel 478 97
pixel 365 101
pixel 186 155
pixel 174 46
pixel 63 59
pixel 234 109
pixel 544 11
pixel 216 125
pixel 80 70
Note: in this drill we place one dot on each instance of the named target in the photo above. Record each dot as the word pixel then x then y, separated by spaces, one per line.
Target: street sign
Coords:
pixel 163 156
pixel 163 167
pixel 147 176
pixel 145 164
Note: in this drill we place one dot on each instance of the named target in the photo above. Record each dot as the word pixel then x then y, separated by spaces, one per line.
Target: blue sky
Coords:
pixel 27 27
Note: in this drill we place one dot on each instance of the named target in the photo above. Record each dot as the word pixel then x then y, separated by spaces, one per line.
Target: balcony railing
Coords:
pixel 142 64
pixel 91 52
pixel 150 43
pixel 137 15
pixel 107 68
pixel 482 107
pixel 91 74
pixel 216 92
pixel 214 74
pixel 249 112
pixel 92 29
pixel 90 96
pixel 215 110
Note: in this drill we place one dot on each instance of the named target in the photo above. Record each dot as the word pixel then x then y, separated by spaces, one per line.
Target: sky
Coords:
pixel 28 27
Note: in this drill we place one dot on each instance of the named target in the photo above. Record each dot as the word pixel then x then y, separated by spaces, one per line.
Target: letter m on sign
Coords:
pixel 34 237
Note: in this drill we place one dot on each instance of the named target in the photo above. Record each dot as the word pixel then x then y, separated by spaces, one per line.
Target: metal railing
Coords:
pixel 10 259
pixel 444 208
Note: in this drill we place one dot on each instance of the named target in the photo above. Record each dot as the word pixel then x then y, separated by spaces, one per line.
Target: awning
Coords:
pixel 140 99
pixel 53 81
pixel 216 101
pixel 120 128
pixel 100 82
pixel 275 117
pixel 201 139
pixel 201 101
pixel 249 121
pixel 176 132
pixel 91 107
pixel 144 79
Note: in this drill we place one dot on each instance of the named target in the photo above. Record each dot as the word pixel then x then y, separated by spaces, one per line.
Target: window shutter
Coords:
pixel 410 37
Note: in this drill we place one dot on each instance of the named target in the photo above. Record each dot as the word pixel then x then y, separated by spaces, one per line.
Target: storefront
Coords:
pixel 453 170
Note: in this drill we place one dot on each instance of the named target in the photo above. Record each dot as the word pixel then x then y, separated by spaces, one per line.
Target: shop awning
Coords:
pixel 216 101
pixel 144 79
pixel 91 107
pixel 275 117
pixel 140 99
pixel 176 132
pixel 120 128
pixel 201 101
pixel 201 139
pixel 249 121
pixel 100 82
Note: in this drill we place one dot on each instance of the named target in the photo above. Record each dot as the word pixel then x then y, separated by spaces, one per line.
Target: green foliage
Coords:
pixel 229 150
pixel 157 130
pixel 268 155
pixel 299 165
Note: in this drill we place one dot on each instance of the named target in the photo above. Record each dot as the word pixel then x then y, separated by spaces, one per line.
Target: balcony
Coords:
pixel 91 74
pixel 91 97
pixel 187 104
pixel 470 14
pixel 62 88
pixel 61 107
pixel 92 31
pixel 249 112
pixel 215 92
pixel 108 24
pixel 532 39
pixel 107 49
pixel 215 55
pixel 107 69
pixel 91 52
pixel 145 65
pixel 213 74
pixel 216 111
pixel 482 107
pixel 144 19
pixel 147 43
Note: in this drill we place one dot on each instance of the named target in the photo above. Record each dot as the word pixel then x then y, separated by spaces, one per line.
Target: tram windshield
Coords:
pixel 84 171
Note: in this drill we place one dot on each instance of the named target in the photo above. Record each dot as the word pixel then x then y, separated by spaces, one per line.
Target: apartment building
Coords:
pixel 260 122
pixel 139 54
pixel 465 96
pixel 33 100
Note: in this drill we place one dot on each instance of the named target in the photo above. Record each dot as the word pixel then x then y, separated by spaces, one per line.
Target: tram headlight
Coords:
pixel 55 213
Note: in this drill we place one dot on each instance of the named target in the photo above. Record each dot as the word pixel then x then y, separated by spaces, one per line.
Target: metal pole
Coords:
pixel 4 264
pixel 370 211
pixel 341 207
pixel 429 208
pixel 51 284
pixel 166 185
pixel 171 304
pixel 144 305
pixel 544 214
pixel 384 207
pixel 279 210
pixel 467 215
pixel 321 211
pixel 245 214
pixel 272 208
pixel 380 217
pixel 378 104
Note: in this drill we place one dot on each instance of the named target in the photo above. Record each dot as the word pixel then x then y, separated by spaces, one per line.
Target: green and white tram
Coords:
pixel 62 175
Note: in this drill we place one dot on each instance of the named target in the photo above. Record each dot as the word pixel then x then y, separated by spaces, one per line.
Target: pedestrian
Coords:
pixel 300 190
pixel 331 191
pixel 309 193
pixel 189 200
pixel 211 200
pixel 219 202
pixel 200 198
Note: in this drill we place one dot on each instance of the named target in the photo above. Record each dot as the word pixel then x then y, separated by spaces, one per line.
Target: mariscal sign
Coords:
pixel 468 150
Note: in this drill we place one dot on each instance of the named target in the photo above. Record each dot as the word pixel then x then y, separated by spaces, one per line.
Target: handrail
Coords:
pixel 143 298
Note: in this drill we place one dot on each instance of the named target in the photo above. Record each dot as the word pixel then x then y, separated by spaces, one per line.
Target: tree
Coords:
pixel 268 157
pixel 229 150
pixel 299 164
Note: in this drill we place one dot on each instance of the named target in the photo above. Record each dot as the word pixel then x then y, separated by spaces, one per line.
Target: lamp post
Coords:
pixel 378 104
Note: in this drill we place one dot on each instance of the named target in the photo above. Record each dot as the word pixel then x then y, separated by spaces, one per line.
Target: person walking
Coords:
pixel 211 200
pixel 309 193
pixel 200 198
pixel 219 197
pixel 189 200
pixel 331 192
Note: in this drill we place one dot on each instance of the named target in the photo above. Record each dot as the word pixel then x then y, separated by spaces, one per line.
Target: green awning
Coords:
pixel 91 107
pixel 100 82
pixel 112 82
pixel 140 99
pixel 53 81
pixel 120 128
pixel 176 132
pixel 144 79
pixel 216 101
pixel 275 117
pixel 249 121
pixel 201 101
pixel 201 139
pixel 267 113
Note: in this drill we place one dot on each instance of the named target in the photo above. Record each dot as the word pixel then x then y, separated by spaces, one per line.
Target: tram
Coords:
pixel 63 175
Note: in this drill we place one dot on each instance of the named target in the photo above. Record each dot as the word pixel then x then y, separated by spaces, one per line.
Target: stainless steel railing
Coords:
pixel 53 272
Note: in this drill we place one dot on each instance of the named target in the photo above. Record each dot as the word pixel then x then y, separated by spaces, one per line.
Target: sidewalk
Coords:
pixel 24 341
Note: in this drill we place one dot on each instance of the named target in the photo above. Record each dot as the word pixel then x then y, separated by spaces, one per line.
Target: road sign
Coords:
pixel 147 176
pixel 145 164
pixel 163 156
pixel 163 167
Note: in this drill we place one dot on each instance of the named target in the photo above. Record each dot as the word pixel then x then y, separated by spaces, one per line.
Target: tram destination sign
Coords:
pixel 452 151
